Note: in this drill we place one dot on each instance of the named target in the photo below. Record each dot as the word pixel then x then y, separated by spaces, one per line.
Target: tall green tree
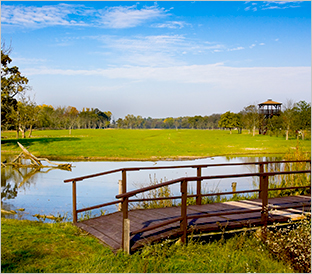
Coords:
pixel 45 119
pixel 302 117
pixel 288 117
pixel 12 84
pixel 250 118
pixel 229 120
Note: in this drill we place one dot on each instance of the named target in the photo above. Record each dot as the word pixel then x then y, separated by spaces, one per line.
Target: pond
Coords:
pixel 29 193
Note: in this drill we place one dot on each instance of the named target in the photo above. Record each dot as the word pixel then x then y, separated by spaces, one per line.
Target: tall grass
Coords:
pixel 31 247
pixel 162 192
pixel 291 180
pixel 280 181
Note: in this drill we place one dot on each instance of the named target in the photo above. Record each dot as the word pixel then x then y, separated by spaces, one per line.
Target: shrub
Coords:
pixel 293 245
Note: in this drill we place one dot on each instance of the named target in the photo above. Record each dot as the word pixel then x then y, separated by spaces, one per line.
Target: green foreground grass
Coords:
pixel 28 246
pixel 122 144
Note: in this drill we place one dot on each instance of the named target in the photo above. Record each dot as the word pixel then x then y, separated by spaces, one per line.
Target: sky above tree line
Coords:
pixel 161 59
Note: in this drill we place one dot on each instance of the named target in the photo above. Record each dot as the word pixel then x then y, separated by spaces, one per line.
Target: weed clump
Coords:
pixel 293 245
pixel 161 192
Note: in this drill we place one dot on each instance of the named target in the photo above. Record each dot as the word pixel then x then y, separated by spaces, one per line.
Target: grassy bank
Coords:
pixel 60 247
pixel 120 144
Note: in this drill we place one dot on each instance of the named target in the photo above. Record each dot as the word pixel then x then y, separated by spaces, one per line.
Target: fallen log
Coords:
pixel 36 162
pixel 33 158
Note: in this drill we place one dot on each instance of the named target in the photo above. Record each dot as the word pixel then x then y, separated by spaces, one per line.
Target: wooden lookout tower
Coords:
pixel 267 110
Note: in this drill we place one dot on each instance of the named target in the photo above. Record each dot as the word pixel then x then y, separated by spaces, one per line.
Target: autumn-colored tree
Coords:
pixel 169 122
pixel 71 116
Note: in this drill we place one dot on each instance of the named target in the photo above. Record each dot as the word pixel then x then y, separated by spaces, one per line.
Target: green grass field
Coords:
pixel 32 247
pixel 29 247
pixel 123 144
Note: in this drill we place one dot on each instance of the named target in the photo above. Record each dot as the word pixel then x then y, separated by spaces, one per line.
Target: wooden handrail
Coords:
pixel 176 167
pixel 198 178
pixel 212 215
pixel 92 175
pixel 124 196
pixel 134 192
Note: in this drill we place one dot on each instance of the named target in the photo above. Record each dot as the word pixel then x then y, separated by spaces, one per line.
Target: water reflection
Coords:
pixel 44 192
pixel 20 177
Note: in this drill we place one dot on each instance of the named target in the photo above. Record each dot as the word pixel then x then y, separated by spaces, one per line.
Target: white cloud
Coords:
pixel 78 15
pixel 171 25
pixel 213 73
pixel 175 88
pixel 280 5
pixel 21 60
pixel 49 15
pixel 237 48
pixel 157 50
pixel 131 16
pixel 145 43
pixel 272 5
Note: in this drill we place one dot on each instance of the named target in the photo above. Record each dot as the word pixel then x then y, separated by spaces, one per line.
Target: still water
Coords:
pixel 45 192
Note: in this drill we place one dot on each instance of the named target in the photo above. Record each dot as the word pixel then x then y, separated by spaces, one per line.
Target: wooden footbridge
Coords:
pixel 132 229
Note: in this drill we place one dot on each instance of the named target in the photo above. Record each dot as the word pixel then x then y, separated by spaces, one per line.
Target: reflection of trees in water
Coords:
pixel 255 168
pixel 13 179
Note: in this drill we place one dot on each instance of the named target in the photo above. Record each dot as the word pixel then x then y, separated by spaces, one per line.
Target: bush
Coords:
pixel 293 245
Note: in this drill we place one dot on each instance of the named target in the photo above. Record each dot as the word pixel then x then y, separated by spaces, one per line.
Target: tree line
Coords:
pixel 197 122
pixel 19 112
pixel 293 120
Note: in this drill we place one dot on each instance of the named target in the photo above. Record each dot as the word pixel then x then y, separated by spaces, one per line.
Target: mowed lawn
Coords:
pixel 147 144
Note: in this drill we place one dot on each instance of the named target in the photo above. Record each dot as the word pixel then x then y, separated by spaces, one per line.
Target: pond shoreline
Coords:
pixel 145 159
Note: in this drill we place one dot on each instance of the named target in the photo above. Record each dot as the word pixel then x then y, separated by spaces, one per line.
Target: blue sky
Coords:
pixel 161 59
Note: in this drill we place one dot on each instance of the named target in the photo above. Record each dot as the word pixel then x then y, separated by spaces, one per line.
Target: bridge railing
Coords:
pixel 123 198
pixel 263 190
pixel 124 171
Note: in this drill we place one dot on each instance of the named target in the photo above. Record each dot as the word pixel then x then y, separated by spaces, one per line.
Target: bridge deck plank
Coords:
pixel 108 228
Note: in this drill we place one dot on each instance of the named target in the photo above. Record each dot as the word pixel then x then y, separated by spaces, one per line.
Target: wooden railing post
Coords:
pixel 261 170
pixel 124 181
pixel 74 202
pixel 183 222
pixel 125 223
pixel 198 194
pixel 126 228
pixel 120 192
pixel 265 210
pixel 125 241
pixel 234 185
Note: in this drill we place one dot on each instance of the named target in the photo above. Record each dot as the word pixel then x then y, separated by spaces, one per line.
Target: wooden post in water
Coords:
pixel 234 184
pixel 120 192
pixel 265 211
pixel 124 210
pixel 198 194
pixel 261 170
pixel 126 228
pixel 183 222
pixel 74 202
